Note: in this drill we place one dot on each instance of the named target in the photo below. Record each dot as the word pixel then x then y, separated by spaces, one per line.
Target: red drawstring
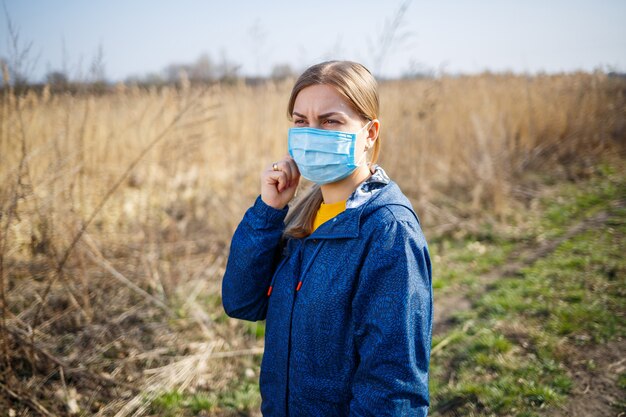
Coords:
pixel 269 290
pixel 306 268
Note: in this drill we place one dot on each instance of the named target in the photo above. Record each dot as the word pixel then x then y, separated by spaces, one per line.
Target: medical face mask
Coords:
pixel 324 156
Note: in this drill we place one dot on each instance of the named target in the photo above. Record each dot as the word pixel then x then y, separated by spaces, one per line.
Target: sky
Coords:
pixel 137 37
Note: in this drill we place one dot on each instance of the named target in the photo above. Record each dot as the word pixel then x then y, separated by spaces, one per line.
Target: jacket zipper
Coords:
pixel 293 303
pixel 302 273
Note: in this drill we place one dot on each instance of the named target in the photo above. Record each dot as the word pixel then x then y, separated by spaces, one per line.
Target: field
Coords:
pixel 117 209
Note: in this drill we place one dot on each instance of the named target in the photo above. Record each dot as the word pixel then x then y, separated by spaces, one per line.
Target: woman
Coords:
pixel 343 276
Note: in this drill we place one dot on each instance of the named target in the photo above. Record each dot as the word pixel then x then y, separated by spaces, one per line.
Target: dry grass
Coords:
pixel 465 143
pixel 117 210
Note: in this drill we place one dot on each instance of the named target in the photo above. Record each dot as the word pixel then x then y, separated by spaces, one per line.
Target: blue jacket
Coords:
pixel 354 340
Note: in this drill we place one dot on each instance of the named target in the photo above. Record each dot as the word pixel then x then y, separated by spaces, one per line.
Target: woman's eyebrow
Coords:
pixel 321 116
pixel 332 113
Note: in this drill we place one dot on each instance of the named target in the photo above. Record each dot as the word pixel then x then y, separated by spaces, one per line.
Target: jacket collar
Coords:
pixel 373 193
pixel 368 188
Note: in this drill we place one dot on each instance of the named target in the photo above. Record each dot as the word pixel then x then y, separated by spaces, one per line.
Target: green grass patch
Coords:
pixel 462 262
pixel 574 201
pixel 244 397
pixel 256 329
pixel 506 356
pixel 485 372
pixel 621 382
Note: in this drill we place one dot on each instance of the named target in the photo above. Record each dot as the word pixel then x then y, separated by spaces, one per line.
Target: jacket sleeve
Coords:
pixel 392 314
pixel 254 252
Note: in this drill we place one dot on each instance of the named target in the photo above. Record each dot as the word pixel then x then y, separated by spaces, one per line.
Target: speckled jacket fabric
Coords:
pixel 355 339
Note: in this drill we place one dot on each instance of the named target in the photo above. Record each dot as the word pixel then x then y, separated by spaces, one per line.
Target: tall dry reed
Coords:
pixel 117 209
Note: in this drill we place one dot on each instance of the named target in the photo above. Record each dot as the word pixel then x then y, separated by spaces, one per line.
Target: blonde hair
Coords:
pixel 357 85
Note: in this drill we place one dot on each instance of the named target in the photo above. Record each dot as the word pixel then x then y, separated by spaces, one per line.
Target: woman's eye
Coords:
pixel 299 122
pixel 330 122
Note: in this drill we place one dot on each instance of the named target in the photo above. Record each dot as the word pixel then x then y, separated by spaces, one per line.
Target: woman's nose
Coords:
pixel 315 124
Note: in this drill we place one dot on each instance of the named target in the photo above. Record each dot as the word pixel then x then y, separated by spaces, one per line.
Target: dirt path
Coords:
pixel 448 306
pixel 595 391
pixel 594 371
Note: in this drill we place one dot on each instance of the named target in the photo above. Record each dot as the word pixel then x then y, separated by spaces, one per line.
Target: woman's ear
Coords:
pixel 372 133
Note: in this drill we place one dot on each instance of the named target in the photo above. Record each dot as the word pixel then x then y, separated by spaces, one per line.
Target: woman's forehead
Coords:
pixel 321 99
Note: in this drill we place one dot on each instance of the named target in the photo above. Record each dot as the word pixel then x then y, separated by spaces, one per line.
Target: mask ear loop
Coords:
pixel 361 158
pixel 367 148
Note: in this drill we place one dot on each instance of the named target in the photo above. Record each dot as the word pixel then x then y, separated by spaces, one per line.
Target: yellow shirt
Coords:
pixel 327 212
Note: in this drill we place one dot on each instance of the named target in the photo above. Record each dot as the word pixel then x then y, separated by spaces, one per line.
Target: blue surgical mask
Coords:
pixel 324 156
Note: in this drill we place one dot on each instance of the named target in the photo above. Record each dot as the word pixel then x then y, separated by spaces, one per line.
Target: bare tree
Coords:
pixel 57 79
pixel 228 70
pixel 394 35
pixel 97 67
pixel 258 37
pixel 282 71
pixel 20 62
pixel 203 70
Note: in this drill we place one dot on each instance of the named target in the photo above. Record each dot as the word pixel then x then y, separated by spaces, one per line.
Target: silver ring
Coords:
pixel 275 167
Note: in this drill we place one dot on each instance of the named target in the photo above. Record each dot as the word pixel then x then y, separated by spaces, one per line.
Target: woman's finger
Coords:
pixel 278 178
pixel 284 166
pixel 295 172
pixel 288 167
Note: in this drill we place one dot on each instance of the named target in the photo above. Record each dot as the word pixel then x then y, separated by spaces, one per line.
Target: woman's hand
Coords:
pixel 279 182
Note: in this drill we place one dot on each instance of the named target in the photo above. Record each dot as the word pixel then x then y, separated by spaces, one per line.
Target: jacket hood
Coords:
pixel 376 192
pixel 390 194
